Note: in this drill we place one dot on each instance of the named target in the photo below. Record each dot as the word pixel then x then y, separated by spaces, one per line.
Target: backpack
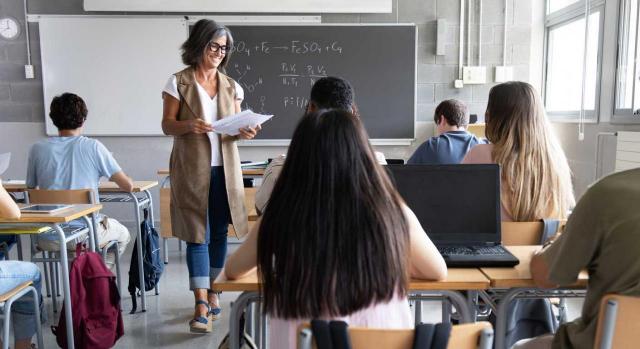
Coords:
pixel 153 265
pixel 95 304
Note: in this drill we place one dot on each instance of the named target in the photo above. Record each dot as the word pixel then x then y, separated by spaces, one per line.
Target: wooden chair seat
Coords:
pixel 6 296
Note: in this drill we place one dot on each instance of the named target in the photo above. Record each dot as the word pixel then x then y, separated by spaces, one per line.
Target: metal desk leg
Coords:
pixel 65 285
pixel 93 233
pixel 237 308
pixel 36 312
pixel 501 316
pixel 165 243
pixel 143 298
pixel 418 312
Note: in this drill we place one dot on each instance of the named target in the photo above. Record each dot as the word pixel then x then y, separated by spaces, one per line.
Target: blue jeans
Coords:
pixel 12 274
pixel 205 261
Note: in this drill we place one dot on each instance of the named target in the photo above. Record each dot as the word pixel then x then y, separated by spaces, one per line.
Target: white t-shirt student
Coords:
pixel 210 110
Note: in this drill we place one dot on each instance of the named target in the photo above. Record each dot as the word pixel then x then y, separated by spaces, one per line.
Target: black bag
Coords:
pixel 153 265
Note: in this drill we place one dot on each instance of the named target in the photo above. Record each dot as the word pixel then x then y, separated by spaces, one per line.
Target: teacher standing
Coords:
pixel 207 192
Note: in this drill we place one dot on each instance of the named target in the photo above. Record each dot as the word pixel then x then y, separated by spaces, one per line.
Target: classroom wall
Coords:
pixel 22 108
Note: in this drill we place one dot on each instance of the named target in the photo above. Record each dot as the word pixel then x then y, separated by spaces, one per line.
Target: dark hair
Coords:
pixel 454 111
pixel 332 93
pixel 68 111
pixel 200 36
pixel 334 238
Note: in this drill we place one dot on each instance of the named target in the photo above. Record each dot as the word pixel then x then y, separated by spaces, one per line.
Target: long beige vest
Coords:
pixel 190 164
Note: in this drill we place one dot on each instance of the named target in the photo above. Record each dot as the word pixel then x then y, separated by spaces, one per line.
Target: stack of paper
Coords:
pixel 231 125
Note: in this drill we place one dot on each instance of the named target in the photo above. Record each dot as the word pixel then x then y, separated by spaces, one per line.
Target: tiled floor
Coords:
pixel 165 323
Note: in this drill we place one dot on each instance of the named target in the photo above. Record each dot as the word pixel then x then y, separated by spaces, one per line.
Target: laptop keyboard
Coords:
pixel 471 250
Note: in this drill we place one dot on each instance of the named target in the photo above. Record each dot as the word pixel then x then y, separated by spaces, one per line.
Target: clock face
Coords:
pixel 9 28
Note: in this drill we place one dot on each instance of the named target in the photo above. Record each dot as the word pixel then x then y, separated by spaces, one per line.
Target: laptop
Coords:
pixel 459 208
pixel 43 208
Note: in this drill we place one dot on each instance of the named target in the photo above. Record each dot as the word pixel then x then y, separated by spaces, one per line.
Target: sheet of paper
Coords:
pixel 231 125
pixel 4 162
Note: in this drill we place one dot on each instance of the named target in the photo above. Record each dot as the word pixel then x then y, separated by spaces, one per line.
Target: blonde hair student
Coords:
pixel 536 179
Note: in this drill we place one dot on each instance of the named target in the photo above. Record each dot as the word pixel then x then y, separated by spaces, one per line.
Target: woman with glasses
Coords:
pixel 207 192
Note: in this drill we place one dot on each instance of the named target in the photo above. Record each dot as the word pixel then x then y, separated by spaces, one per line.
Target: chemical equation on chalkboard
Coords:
pixel 295 102
pixel 242 70
pixel 258 107
pixel 293 75
pixel 295 47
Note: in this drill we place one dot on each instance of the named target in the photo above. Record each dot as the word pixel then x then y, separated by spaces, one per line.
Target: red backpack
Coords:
pixel 95 304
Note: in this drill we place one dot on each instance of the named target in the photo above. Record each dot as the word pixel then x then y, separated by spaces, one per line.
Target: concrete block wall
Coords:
pixel 22 105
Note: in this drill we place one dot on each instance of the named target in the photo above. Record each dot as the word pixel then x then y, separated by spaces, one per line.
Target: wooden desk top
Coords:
pixel 105 187
pixel 520 275
pixel 245 172
pixel 457 279
pixel 138 186
pixel 63 216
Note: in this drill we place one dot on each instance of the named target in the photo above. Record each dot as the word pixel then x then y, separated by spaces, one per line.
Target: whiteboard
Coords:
pixel 117 65
pixel 246 6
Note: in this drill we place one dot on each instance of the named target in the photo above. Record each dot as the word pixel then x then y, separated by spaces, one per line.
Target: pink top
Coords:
pixel 481 154
pixel 392 315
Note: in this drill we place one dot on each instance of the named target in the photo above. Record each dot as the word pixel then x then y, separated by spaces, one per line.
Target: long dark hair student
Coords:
pixel 334 238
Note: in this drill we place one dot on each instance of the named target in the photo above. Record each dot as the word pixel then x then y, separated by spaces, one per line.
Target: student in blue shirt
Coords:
pixel 451 119
pixel 73 161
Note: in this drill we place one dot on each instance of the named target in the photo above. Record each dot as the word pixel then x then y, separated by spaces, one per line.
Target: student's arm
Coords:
pixel 123 181
pixel 540 271
pixel 245 259
pixel 426 262
pixel 170 124
pixel 480 154
pixel 8 208
pixel 271 174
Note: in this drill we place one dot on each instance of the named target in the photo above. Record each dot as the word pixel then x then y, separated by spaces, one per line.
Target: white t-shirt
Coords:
pixel 210 110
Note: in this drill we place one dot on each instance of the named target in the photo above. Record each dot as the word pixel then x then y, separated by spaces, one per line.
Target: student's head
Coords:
pixel 449 114
pixel 333 238
pixel 332 93
pixel 534 167
pixel 209 45
pixel 68 111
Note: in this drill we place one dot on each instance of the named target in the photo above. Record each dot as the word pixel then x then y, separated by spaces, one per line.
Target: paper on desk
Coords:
pixel 231 125
pixel 4 162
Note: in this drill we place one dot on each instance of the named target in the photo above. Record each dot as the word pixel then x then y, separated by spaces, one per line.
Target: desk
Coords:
pixel 457 279
pixel 53 221
pixel 519 283
pixel 110 192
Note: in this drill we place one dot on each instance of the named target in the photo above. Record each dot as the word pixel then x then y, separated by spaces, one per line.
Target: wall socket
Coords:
pixel 474 75
pixel 29 72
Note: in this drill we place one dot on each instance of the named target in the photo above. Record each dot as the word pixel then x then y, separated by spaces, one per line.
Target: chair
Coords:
pixel 526 233
pixel 478 335
pixel 618 322
pixel 77 196
pixel 6 301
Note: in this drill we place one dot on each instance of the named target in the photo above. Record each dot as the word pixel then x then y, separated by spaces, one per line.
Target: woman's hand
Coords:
pixel 249 132
pixel 198 126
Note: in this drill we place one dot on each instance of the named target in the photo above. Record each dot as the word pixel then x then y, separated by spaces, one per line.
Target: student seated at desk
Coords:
pixel 535 175
pixel 13 274
pixel 336 240
pixel 327 93
pixel 453 141
pixel 72 161
pixel 602 236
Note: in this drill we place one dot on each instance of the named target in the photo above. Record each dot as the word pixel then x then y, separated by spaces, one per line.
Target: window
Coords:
pixel 627 97
pixel 555 5
pixel 564 73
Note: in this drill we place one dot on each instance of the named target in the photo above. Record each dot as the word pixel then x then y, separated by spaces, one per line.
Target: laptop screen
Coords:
pixel 454 203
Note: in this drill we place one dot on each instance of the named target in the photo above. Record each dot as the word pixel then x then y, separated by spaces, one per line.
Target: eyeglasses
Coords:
pixel 215 47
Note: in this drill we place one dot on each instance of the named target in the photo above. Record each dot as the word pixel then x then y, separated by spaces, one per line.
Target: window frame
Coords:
pixel 625 115
pixel 562 17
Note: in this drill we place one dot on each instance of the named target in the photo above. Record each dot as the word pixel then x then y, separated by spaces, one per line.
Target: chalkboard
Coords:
pixel 277 65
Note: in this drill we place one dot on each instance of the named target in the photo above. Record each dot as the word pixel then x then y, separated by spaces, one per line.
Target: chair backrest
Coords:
pixel 77 196
pixel 525 233
pixel 618 322
pixel 466 336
